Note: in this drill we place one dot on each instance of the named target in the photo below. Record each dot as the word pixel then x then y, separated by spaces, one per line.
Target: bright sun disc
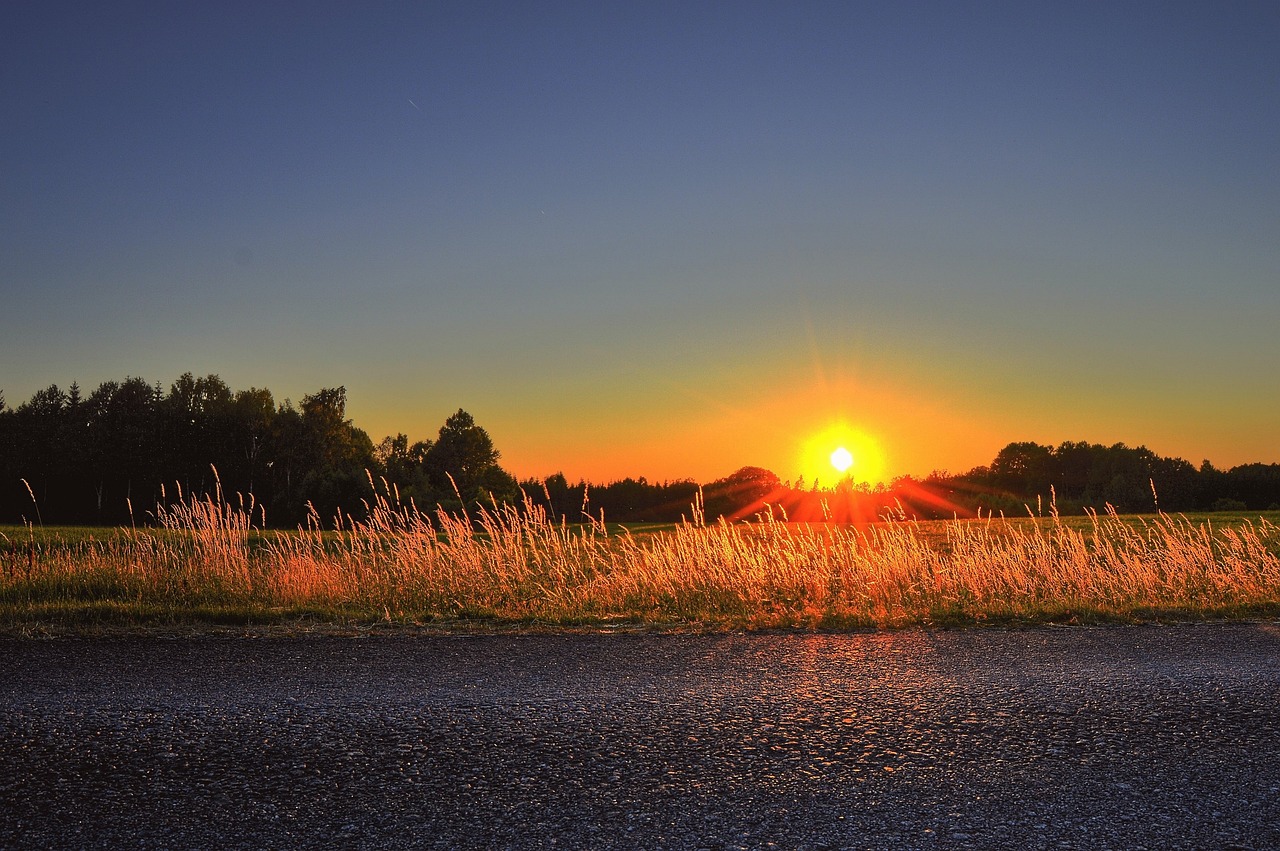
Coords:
pixel 857 457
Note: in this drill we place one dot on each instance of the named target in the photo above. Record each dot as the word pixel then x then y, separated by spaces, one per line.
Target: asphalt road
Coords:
pixel 1151 737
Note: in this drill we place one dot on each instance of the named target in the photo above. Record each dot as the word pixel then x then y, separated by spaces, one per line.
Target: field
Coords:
pixel 203 564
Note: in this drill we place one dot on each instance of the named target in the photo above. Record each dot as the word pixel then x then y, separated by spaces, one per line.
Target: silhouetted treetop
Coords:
pixel 464 457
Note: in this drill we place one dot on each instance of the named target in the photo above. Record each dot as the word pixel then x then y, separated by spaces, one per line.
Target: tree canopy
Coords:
pixel 112 457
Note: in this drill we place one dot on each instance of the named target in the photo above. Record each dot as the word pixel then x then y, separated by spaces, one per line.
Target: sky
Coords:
pixel 663 239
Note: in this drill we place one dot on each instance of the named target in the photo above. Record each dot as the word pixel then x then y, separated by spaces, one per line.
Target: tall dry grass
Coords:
pixel 204 559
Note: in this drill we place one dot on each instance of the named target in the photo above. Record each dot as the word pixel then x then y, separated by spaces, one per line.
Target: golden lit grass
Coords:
pixel 206 564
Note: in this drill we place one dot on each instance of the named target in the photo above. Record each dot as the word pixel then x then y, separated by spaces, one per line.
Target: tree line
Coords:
pixel 112 456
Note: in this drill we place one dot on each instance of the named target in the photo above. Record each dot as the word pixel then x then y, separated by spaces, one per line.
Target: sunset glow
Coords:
pixel 841 451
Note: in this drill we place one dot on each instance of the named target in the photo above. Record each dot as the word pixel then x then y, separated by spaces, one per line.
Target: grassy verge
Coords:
pixel 205 567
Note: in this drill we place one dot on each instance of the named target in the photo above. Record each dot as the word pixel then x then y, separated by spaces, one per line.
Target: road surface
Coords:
pixel 1137 737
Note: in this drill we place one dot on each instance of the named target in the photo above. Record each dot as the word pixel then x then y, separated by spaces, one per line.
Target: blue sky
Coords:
pixel 661 239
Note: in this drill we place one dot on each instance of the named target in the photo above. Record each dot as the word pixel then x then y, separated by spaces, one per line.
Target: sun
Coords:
pixel 841 452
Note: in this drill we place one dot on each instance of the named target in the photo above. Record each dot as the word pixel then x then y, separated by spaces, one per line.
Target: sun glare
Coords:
pixel 841 452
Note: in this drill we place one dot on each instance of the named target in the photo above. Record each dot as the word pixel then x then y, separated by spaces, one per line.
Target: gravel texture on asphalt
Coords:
pixel 1141 737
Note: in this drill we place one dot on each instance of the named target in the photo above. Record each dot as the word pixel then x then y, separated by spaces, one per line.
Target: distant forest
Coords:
pixel 113 456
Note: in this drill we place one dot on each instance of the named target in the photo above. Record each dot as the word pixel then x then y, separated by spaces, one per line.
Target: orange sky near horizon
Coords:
pixel 789 422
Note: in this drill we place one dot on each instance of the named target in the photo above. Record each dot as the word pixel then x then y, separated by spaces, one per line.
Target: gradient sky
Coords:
pixel 661 240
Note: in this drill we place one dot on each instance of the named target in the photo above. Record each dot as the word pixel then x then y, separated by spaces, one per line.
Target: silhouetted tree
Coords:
pixel 197 425
pixel 336 455
pixel 36 425
pixel 562 500
pixel 1256 485
pixel 124 457
pixel 1025 468
pixel 404 465
pixel 463 457
pixel 252 413
pixel 743 492
pixel 1213 484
